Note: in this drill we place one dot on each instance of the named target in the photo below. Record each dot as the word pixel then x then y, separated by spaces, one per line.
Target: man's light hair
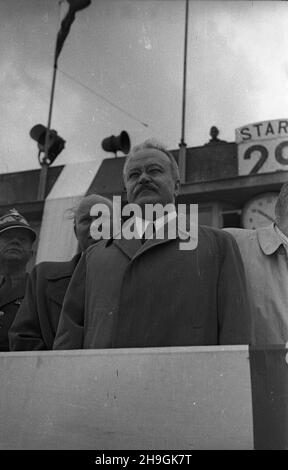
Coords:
pixel 156 145
pixel 281 207
pixel 71 213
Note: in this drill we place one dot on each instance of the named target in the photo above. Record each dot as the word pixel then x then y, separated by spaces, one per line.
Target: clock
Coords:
pixel 259 211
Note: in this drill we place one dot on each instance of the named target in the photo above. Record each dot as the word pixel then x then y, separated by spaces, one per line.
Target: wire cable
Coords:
pixel 103 98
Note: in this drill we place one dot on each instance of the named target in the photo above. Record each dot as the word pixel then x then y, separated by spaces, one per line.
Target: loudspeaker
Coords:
pixel 120 142
pixel 55 143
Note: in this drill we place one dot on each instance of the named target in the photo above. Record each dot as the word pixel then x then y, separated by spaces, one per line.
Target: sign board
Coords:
pixel 262 147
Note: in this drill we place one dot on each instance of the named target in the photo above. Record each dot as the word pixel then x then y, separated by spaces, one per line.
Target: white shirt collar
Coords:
pixel 142 224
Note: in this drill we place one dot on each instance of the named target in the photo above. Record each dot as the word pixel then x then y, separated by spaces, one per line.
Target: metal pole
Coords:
pixel 182 145
pixel 45 166
pixel 74 6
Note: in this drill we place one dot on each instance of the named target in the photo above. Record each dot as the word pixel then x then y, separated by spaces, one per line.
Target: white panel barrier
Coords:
pixel 158 398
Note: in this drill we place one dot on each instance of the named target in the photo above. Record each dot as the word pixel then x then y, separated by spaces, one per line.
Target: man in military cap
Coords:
pixel 16 240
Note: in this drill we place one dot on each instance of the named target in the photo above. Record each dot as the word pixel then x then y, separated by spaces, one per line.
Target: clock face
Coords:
pixel 259 211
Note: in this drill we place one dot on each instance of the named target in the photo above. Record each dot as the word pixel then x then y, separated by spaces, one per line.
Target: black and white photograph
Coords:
pixel 143 228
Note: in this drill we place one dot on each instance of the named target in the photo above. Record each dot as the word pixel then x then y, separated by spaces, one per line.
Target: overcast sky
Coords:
pixel 131 53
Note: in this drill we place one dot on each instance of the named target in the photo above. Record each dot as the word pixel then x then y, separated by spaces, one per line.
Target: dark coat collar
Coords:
pixel 134 247
pixel 59 270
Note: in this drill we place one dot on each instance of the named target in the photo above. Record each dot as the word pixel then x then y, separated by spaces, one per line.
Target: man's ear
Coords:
pixel 75 231
pixel 177 187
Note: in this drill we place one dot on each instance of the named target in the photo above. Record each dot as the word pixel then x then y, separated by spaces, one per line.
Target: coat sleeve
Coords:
pixel 25 332
pixel 70 329
pixel 233 304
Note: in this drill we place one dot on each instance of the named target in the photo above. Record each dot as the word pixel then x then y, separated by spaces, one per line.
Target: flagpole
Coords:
pixel 74 6
pixel 182 145
pixel 45 165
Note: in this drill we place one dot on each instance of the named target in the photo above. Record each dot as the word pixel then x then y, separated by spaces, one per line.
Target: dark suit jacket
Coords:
pixel 10 300
pixel 123 294
pixel 36 322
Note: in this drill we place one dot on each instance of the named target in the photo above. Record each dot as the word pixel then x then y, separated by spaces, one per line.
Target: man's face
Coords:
pixel 15 245
pixel 149 179
pixel 83 221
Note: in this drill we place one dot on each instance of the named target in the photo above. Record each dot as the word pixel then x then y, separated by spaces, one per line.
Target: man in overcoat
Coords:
pixel 36 322
pixel 265 256
pixel 150 293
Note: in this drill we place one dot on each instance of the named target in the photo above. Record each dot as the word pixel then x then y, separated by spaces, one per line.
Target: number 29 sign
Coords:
pixel 262 147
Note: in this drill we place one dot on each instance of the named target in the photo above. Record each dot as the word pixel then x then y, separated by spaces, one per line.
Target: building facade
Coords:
pixel 235 184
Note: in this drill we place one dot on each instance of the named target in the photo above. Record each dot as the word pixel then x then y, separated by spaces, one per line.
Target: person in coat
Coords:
pixel 265 255
pixel 134 292
pixel 36 322
pixel 16 240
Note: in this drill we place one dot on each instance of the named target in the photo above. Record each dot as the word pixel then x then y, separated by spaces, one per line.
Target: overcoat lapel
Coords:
pixel 134 248
pixel 56 290
pixel 58 279
pixel 128 247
